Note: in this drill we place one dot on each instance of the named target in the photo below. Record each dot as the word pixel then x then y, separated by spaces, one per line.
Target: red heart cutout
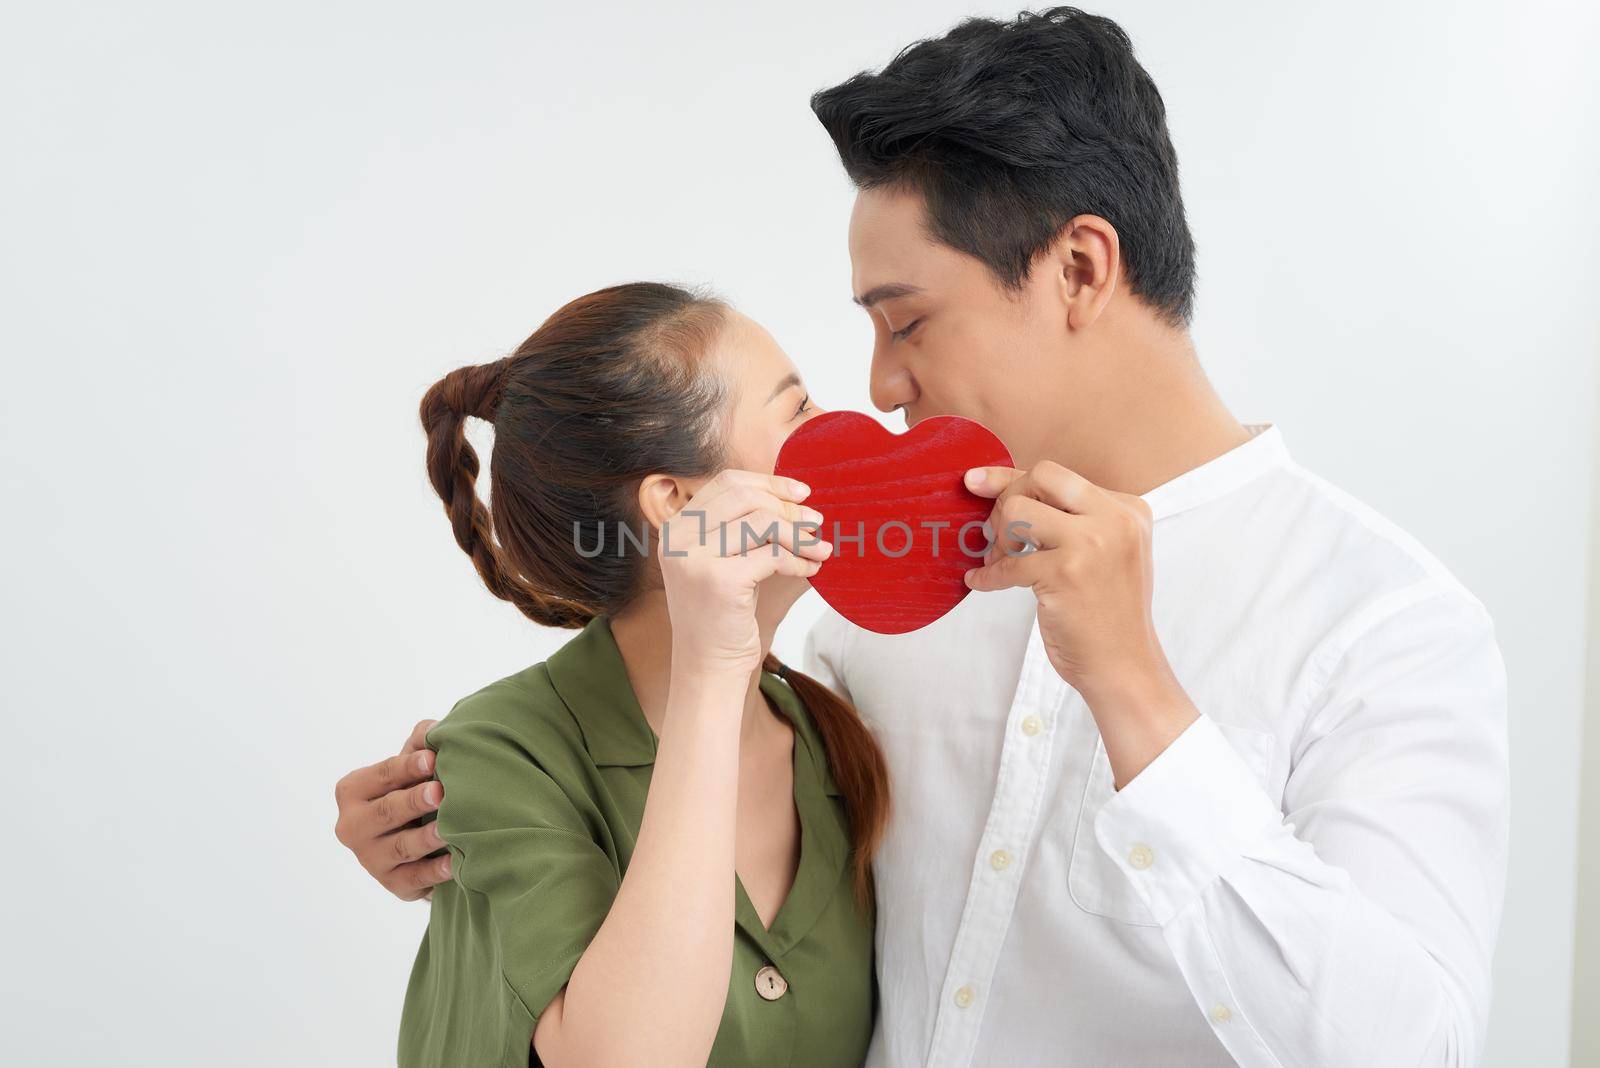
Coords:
pixel 904 573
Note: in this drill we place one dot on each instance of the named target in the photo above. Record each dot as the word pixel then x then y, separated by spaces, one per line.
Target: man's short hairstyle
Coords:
pixel 1009 129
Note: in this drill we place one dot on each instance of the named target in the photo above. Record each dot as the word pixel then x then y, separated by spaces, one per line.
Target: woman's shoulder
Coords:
pixel 520 718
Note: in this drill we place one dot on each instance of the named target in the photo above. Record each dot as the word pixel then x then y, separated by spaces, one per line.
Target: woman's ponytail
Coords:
pixel 474 392
pixel 857 765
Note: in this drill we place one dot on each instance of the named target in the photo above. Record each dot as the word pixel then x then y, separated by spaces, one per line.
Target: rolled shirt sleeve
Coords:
pixel 1356 924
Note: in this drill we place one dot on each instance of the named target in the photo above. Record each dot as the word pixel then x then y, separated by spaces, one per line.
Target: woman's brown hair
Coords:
pixel 610 389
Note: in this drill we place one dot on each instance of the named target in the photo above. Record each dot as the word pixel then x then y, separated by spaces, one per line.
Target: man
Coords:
pixel 1219 773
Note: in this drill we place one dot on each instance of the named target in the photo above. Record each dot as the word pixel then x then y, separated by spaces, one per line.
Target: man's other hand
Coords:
pixel 379 806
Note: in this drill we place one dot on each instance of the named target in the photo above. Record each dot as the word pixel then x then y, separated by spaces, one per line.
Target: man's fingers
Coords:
pixel 417 879
pixel 991 481
pixel 384 777
pixel 1047 481
pixel 1061 488
pixel 376 805
pixel 418 739
pixel 1023 521
pixel 1004 573
pixel 413 843
pixel 402 806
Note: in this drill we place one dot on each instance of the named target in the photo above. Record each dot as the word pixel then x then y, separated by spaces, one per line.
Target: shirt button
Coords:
pixel 999 860
pixel 1032 725
pixel 1221 1013
pixel 1140 857
pixel 964 997
pixel 770 983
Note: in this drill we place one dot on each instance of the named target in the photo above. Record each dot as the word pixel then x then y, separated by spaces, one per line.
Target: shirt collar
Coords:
pixel 589 674
pixel 1219 477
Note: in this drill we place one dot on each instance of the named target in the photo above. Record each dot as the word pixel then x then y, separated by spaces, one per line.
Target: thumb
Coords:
pixel 990 481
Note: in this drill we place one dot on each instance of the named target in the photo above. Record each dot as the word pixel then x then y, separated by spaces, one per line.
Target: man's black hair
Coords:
pixel 1009 129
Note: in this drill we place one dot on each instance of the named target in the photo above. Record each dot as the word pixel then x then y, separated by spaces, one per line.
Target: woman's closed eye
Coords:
pixel 803 407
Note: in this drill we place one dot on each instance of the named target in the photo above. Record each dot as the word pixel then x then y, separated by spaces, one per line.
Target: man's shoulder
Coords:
pixel 828 627
pixel 1352 551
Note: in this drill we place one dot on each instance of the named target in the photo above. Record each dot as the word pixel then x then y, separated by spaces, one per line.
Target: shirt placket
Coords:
pixel 1031 727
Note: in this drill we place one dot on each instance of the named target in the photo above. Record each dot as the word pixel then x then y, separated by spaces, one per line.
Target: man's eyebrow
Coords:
pixel 887 291
pixel 787 381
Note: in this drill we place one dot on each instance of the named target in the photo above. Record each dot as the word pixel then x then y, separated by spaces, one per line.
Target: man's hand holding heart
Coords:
pixel 1088 562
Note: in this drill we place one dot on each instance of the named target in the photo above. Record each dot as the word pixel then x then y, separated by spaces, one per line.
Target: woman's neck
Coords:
pixel 643 632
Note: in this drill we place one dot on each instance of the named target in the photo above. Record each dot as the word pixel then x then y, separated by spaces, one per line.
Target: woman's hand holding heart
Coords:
pixel 739 529
pixel 1088 561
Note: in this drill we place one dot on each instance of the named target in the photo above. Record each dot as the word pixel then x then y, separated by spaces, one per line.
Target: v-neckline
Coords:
pixel 743 895
pixel 821 859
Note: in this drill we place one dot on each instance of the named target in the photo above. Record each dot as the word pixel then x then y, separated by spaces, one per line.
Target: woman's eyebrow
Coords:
pixel 787 381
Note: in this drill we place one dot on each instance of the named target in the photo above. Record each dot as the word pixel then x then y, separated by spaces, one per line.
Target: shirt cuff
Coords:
pixel 1191 812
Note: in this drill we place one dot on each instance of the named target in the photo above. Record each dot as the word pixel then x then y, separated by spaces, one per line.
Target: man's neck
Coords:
pixel 1154 415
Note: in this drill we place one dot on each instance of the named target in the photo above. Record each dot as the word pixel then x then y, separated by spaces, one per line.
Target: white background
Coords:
pixel 239 244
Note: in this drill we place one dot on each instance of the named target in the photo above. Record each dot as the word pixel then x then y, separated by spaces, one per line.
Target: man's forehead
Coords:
pixel 891 252
pixel 887 218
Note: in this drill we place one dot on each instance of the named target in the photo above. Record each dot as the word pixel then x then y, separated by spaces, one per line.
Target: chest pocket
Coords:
pixel 1095 882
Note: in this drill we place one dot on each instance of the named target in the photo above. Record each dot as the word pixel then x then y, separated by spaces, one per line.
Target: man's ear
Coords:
pixel 661 497
pixel 1086 259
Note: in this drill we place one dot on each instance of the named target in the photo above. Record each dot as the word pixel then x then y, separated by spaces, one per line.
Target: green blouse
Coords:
pixel 544 775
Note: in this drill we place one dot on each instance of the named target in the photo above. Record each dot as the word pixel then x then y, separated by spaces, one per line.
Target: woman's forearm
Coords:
pixel 650 988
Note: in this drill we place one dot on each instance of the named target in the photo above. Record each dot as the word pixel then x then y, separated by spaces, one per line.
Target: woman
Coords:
pixel 661 837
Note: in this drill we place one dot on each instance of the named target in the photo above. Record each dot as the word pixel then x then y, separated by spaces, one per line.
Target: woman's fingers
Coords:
pixel 755 531
pixel 740 529
pixel 745 517
pixel 735 501
pixel 765 563
pixel 733 480
pixel 761 529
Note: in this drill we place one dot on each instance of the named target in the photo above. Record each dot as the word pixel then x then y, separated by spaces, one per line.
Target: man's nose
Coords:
pixel 892 385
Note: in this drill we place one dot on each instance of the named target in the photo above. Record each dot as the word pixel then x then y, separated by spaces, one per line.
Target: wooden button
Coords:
pixel 770 983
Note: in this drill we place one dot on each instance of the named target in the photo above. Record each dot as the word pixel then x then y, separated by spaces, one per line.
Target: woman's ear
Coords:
pixel 661 497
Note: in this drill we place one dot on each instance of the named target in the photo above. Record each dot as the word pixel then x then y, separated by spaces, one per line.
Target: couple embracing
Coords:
pixel 1218 774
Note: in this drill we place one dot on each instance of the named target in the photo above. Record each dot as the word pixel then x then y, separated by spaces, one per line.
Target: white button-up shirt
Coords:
pixel 1311 874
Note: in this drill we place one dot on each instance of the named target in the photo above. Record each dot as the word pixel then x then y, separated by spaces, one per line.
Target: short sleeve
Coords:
pixel 521 847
